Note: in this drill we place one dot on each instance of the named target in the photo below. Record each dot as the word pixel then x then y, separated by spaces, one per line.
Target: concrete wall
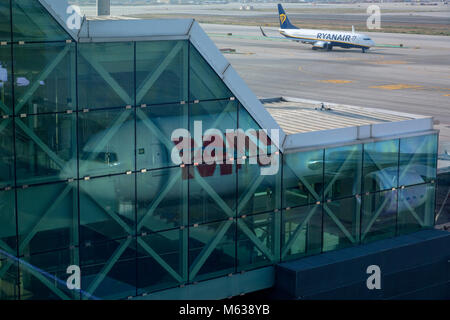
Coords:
pixel 416 266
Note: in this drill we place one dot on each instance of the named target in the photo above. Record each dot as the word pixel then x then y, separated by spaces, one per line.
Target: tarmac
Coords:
pixel 414 78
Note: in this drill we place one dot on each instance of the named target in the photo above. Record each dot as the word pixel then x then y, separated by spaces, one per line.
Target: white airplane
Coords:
pixel 322 39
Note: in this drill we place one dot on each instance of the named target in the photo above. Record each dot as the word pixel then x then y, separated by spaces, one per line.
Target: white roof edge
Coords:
pixel 362 141
pixel 358 134
pixel 58 10
pixel 134 30
pixel 206 47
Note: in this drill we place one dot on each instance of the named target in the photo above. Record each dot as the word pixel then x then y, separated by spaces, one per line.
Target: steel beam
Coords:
pixel 153 77
pixel 41 77
pixel 108 266
pixel 339 224
pixel 297 232
pixel 108 78
pixel 160 260
pixel 374 218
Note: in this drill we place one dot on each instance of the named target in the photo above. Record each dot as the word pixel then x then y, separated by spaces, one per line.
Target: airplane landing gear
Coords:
pixel 363 50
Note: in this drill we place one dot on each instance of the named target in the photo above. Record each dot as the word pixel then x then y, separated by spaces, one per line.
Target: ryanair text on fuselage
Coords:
pixel 321 39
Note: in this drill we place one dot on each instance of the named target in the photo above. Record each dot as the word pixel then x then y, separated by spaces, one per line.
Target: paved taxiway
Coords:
pixel 414 79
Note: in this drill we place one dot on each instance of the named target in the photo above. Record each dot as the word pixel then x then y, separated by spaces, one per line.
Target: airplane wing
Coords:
pixel 266 36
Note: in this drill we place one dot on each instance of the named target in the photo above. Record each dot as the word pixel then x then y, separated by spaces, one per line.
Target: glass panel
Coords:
pixel 257 192
pixel 341 223
pixel 6 80
pixel 301 232
pixel 47 217
pixel 108 270
pixel 160 262
pixel 44 77
pixel 212 192
pixel 107 208
pixel 206 261
pixel 379 216
pixel 109 67
pixel 204 83
pixel 416 208
pixel 8 279
pixel 162 200
pixel 380 170
pixel 258 240
pixel 418 160
pixel 157 64
pixel 443 199
pixel 153 134
pixel 343 171
pixel 31 22
pixel 7 223
pixel 302 178
pixel 207 116
pixel 262 142
pixel 6 153
pixel 46 148
pixel 106 142
pixel 5 21
pixel 43 276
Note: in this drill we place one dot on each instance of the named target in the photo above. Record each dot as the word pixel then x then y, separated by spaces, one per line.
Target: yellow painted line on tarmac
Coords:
pixel 398 86
pixel 299 68
pixel 446 95
pixel 335 81
pixel 388 62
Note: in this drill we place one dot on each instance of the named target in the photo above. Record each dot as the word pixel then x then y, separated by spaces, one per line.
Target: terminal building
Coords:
pixel 87 177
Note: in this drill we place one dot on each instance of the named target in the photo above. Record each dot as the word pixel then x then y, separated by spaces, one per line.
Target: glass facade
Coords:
pixel 87 176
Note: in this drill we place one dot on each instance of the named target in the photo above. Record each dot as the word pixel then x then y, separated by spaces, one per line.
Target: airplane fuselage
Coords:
pixel 326 39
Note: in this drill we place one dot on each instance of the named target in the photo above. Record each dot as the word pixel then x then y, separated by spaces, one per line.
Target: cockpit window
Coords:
pixel 366 38
pixel 103 157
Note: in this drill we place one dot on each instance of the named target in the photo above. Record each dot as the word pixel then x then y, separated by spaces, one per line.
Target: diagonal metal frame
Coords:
pixel 41 77
pixel 339 223
pixel 105 139
pixel 209 248
pixel 41 144
pixel 329 212
pixel 375 217
pixel 148 83
pixel 111 213
pixel 4 107
pixel 44 280
pixel 410 162
pixel 206 252
pixel 250 193
pixel 378 166
pixel 196 65
pixel 117 88
pixel 336 175
pixel 108 266
pixel 42 219
pixel 160 260
pixel 154 129
pixel 413 213
pixel 30 236
pixel 307 185
pixel 297 232
pixel 155 203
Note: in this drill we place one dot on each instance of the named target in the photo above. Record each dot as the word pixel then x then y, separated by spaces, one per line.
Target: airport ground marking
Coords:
pixel 398 86
pixel 335 81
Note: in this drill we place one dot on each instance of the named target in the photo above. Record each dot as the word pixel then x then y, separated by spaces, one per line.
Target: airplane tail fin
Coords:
pixel 284 20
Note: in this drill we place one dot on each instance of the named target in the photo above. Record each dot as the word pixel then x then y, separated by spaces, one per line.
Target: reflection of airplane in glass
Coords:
pixel 117 155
